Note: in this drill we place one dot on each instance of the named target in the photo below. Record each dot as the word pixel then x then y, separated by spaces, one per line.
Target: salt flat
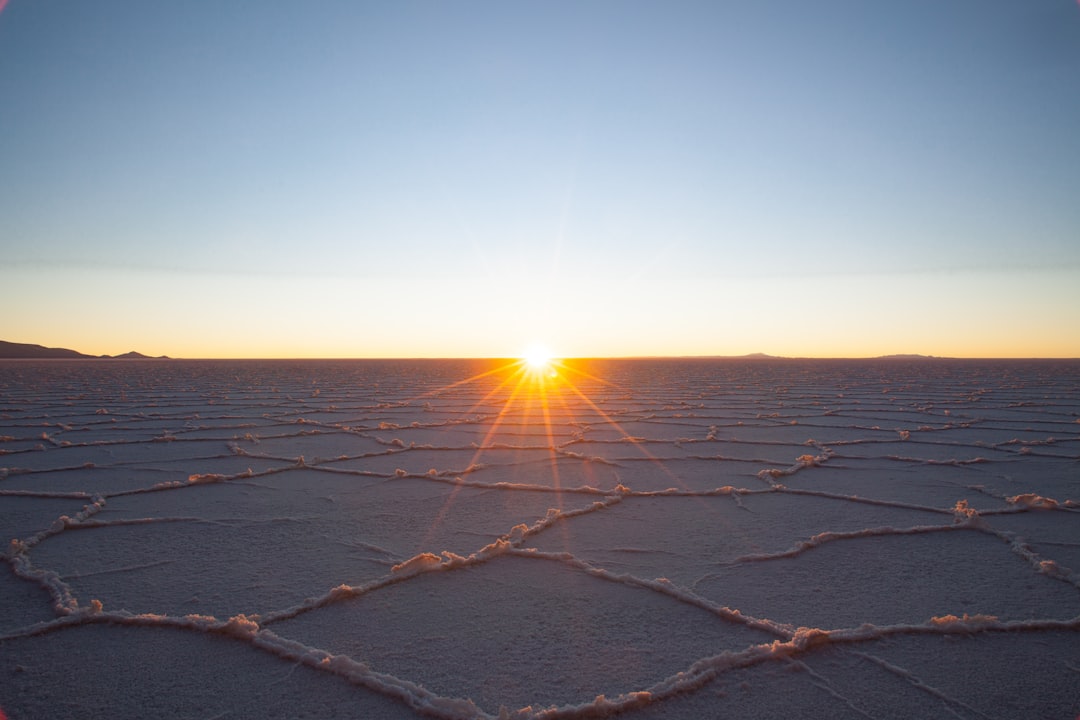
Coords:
pixel 744 538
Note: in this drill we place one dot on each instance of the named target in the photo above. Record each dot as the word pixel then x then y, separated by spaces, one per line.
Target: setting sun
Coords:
pixel 537 358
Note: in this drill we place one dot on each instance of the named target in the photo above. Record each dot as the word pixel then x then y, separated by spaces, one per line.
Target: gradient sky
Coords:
pixel 399 179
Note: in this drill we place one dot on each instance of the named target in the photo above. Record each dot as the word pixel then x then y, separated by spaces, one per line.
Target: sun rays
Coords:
pixel 528 405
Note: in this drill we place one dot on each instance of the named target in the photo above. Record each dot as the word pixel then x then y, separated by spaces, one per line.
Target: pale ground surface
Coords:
pixel 653 539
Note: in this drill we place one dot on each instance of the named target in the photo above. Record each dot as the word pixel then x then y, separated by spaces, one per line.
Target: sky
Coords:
pixel 465 179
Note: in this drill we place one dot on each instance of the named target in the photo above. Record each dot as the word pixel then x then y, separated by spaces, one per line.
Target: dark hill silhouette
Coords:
pixel 29 351
pixel 26 350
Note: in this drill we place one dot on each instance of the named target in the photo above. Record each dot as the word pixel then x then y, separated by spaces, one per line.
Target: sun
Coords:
pixel 537 358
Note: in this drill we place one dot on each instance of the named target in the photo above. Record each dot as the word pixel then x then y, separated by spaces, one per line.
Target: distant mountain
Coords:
pixel 906 357
pixel 132 355
pixel 749 356
pixel 28 351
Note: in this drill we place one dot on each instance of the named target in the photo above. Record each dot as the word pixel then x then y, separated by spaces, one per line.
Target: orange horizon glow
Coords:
pixel 1008 354
pixel 271 356
pixel 1062 348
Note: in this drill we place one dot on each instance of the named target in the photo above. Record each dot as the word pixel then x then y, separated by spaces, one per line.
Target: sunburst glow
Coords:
pixel 538 358
pixel 523 403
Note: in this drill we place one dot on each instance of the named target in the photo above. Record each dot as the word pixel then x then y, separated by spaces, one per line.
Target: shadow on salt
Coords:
pixel 508 432
pixel 125 452
pixel 641 448
pixel 416 461
pixel 935 486
pixel 162 672
pixel 685 538
pixel 471 632
pixel 1051 477
pixel 995 675
pixel 24 516
pixel 325 443
pixel 116 479
pixel 886 579
pixel 1010 675
pixel 693 475
pixel 252 546
pixel 921 451
pixel 1053 534
pixel 24 604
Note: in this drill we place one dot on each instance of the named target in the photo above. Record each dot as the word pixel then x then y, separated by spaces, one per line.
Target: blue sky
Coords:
pixel 432 178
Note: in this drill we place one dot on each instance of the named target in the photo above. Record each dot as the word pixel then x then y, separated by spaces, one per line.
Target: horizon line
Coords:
pixel 748 356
